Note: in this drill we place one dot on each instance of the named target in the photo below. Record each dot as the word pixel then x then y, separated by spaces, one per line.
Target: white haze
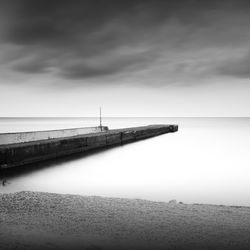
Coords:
pixel 206 161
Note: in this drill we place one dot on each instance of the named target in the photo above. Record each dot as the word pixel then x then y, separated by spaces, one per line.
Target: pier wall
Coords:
pixel 10 138
pixel 18 154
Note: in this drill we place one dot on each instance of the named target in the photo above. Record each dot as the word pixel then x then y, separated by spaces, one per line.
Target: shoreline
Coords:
pixel 36 220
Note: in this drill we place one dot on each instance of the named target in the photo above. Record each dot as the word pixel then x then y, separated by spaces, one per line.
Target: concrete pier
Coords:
pixel 18 154
pixel 11 138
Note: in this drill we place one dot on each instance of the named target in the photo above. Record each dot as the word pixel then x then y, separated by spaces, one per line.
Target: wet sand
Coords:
pixel 32 220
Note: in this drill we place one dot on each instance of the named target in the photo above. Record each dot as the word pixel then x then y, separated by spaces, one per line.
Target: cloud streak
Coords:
pixel 161 41
pixel 238 67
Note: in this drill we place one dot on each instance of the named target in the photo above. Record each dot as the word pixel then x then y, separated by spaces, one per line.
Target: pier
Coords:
pixel 22 153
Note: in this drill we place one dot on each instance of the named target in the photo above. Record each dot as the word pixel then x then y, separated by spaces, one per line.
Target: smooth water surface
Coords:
pixel 206 161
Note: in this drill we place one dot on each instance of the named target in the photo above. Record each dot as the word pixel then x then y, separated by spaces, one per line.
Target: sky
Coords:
pixel 132 57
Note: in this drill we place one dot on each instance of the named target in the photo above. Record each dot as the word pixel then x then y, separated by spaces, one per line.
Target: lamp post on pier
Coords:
pixel 101 118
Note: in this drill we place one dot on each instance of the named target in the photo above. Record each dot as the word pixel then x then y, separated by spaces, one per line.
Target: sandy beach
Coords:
pixel 31 220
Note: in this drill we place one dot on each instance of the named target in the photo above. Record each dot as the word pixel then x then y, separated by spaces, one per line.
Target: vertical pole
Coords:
pixel 101 118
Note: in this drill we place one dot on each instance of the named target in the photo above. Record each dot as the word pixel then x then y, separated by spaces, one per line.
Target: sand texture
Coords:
pixel 31 220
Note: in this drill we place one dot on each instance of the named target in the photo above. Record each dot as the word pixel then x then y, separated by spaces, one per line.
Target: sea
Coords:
pixel 206 161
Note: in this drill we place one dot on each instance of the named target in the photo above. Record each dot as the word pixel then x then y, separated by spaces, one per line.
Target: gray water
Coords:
pixel 206 161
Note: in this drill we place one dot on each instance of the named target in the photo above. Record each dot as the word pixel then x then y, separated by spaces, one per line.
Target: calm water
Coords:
pixel 206 161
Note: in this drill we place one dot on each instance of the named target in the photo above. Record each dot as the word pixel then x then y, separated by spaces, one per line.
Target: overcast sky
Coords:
pixel 134 57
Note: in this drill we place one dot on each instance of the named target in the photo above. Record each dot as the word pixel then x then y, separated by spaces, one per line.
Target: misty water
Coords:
pixel 206 161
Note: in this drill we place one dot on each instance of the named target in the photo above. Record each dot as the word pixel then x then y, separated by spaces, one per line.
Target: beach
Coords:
pixel 91 95
pixel 39 220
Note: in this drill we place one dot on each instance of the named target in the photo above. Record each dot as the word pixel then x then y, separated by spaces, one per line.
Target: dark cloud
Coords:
pixel 32 66
pixel 79 39
pixel 118 64
pixel 239 67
